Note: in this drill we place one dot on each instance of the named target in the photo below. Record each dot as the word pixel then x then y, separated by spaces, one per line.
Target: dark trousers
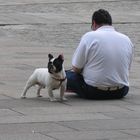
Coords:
pixel 76 83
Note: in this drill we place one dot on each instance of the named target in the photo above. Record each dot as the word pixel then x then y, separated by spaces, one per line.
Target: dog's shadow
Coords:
pixel 69 97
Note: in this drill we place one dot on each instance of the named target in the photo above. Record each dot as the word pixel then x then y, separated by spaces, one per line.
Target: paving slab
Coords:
pixel 26 136
pixel 92 135
pixel 31 128
pixel 108 124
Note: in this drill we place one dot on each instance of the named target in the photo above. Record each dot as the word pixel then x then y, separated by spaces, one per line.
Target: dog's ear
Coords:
pixel 50 56
pixel 61 57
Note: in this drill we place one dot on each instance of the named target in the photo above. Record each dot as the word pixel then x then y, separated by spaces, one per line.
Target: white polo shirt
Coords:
pixel 105 56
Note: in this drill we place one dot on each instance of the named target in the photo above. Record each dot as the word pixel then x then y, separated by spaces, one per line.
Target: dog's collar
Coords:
pixel 60 80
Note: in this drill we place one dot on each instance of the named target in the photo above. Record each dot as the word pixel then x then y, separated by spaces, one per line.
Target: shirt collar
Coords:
pixel 106 28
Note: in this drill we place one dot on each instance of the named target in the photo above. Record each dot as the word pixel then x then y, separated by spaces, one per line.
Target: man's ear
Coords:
pixel 95 26
pixel 50 56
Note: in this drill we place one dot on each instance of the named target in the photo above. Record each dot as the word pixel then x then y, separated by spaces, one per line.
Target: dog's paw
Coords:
pixel 23 97
pixel 63 99
pixel 53 99
pixel 39 96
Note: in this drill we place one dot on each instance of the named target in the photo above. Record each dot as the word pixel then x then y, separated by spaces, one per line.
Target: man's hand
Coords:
pixel 77 70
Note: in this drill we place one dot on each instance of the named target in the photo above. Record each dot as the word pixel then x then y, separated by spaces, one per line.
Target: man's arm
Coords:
pixel 79 57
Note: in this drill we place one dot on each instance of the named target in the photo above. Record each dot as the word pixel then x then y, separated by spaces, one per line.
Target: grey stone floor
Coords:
pixel 29 30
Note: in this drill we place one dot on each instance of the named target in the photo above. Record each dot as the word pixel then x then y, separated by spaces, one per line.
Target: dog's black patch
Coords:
pixel 50 56
pixel 57 63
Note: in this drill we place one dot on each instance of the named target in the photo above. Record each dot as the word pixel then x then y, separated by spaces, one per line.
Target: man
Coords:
pixel 101 62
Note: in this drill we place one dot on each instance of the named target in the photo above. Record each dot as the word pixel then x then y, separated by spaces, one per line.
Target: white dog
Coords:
pixel 53 77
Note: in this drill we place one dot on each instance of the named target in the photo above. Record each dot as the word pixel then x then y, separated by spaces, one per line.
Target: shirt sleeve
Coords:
pixel 79 57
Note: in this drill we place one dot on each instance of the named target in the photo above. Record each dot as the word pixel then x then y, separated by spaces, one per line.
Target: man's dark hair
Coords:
pixel 101 17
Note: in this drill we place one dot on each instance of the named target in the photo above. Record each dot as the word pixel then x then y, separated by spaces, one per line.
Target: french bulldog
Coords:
pixel 53 77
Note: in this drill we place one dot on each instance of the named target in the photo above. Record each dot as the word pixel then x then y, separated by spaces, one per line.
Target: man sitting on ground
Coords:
pixel 101 62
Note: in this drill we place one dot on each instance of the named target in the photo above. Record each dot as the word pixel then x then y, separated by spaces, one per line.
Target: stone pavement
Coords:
pixel 29 30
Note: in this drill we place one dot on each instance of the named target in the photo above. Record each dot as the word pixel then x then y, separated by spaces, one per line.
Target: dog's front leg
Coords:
pixel 51 97
pixel 62 91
